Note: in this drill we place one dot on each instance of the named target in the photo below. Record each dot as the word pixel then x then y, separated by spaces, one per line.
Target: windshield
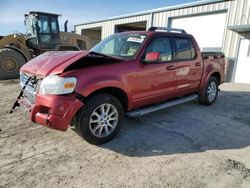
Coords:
pixel 43 24
pixel 120 45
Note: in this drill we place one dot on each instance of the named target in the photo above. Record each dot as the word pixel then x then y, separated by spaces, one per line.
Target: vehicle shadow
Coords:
pixel 188 128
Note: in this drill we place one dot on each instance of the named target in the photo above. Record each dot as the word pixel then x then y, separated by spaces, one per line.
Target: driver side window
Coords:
pixel 162 45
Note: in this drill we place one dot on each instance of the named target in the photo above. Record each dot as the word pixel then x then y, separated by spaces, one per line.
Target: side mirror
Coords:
pixel 152 57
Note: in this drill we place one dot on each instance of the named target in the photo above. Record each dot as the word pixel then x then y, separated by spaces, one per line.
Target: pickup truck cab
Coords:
pixel 130 73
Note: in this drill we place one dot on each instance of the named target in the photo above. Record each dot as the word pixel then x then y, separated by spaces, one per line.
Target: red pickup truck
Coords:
pixel 132 73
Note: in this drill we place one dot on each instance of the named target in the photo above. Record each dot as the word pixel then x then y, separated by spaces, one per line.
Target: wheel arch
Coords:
pixel 115 91
pixel 214 73
pixel 27 58
pixel 217 76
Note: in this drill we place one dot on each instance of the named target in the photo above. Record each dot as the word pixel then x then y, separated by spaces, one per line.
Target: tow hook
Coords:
pixel 47 120
pixel 16 103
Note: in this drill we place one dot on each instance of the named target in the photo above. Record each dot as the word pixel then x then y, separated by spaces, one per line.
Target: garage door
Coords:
pixel 137 26
pixel 243 63
pixel 208 30
pixel 95 34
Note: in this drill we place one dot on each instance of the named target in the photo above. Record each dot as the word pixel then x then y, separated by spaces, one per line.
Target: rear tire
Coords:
pixel 100 119
pixel 10 63
pixel 209 95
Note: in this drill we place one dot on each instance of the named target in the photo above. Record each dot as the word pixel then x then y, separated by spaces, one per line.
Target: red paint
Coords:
pixel 142 83
pixel 52 62
pixel 59 110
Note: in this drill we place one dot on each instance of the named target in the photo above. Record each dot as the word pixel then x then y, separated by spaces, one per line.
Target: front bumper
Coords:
pixel 52 111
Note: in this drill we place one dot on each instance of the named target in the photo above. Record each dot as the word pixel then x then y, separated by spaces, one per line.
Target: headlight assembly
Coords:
pixel 57 85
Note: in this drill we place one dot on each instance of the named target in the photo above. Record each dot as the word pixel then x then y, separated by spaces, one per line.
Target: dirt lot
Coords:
pixel 185 146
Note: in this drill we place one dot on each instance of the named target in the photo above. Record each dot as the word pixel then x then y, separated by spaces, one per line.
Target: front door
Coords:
pixel 243 62
pixel 156 80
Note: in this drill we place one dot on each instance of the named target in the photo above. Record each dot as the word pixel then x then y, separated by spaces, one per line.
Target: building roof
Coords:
pixel 186 5
pixel 41 13
pixel 239 28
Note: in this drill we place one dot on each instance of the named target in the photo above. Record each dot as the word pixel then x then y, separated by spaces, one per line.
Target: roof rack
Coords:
pixel 166 29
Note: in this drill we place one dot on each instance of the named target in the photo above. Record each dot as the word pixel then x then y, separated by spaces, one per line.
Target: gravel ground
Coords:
pixel 189 145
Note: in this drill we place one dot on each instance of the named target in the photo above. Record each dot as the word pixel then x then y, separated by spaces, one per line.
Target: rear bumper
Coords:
pixel 52 111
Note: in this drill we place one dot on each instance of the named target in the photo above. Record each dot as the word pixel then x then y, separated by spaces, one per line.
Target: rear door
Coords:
pixel 156 80
pixel 188 66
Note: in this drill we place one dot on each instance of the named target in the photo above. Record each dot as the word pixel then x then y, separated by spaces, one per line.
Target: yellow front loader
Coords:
pixel 42 34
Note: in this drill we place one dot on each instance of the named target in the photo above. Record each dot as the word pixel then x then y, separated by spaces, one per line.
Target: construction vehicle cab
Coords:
pixel 42 34
pixel 42 30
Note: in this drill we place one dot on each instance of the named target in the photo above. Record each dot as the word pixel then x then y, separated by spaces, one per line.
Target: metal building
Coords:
pixel 217 24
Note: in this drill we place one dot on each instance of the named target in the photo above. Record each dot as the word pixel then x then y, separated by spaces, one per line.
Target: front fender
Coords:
pixel 17 43
pixel 91 86
pixel 87 89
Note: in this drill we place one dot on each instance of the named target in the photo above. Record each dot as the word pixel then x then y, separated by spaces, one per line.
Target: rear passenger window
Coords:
pixel 184 49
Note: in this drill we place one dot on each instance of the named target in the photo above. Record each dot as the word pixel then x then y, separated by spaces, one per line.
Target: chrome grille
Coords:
pixel 31 88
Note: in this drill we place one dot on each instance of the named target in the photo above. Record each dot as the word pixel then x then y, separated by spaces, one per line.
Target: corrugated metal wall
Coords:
pixel 238 12
pixel 108 27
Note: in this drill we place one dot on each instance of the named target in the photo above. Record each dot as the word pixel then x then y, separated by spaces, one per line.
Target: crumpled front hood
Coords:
pixel 53 62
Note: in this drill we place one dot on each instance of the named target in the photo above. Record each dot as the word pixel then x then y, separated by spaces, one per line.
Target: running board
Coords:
pixel 167 104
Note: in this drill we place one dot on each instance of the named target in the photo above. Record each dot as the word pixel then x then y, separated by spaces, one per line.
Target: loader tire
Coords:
pixel 10 63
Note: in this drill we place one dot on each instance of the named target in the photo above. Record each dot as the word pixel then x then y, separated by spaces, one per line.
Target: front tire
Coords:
pixel 100 119
pixel 10 63
pixel 209 95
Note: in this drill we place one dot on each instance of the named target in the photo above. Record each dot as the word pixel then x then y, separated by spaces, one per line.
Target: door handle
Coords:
pixel 171 67
pixel 198 64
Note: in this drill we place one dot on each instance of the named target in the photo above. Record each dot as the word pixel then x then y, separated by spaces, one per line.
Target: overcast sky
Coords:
pixel 76 11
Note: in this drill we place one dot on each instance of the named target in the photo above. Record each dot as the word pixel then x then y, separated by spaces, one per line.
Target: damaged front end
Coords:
pixel 52 111
pixel 47 95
